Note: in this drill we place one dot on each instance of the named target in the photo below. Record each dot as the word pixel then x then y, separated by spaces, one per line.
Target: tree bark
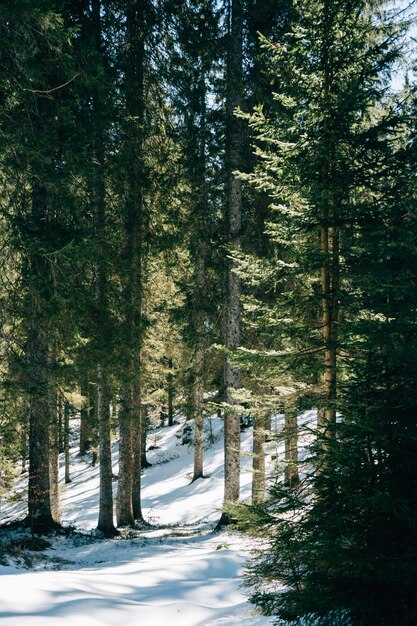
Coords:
pixel 132 450
pixel 234 211
pixel 92 418
pixel 330 250
pixel 258 463
pixel 37 356
pixel 124 503
pixel 198 390
pixel 143 437
pixel 105 518
pixel 291 477
pixel 138 445
pixel 66 441
pixel 54 459
pixel 85 425
pixel 170 383
pixel 24 443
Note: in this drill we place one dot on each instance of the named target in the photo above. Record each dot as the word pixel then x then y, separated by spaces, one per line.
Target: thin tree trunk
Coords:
pixel 60 423
pixel 54 460
pixel 258 462
pixel 92 418
pixel 66 441
pixel 143 437
pixel 170 382
pixel 85 425
pixel 198 411
pixel 234 205
pixel 138 427
pixel 24 443
pixel 291 477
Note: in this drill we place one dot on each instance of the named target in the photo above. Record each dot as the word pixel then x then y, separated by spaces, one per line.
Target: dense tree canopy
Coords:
pixel 211 206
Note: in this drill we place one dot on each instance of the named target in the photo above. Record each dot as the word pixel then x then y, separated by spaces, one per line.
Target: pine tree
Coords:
pixel 193 70
pixel 328 153
pixel 234 84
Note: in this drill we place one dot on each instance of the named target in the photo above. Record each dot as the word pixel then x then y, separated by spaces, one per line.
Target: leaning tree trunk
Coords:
pixel 234 210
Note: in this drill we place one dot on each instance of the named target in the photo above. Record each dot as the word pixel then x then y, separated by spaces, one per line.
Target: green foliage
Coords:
pixel 335 152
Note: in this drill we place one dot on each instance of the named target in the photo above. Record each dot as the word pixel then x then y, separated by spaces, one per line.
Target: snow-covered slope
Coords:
pixel 177 571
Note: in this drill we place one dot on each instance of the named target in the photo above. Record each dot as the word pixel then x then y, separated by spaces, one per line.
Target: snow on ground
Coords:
pixel 177 570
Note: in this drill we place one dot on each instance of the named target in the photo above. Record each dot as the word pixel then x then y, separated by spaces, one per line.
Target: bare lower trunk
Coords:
pixel 133 444
pixel 234 204
pixel 105 518
pixel 258 463
pixel 24 444
pixel 291 477
pixel 170 381
pixel 85 425
pixel 143 438
pixel 198 413
pixel 60 410
pixel 39 504
pixel 54 461
pixel 124 504
pixel 138 420
pixel 92 418
pixel 67 441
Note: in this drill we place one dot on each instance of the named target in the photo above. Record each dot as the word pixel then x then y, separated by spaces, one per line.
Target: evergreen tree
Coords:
pixel 328 156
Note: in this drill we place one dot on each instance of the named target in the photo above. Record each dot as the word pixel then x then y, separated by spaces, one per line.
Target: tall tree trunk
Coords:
pixel 291 477
pixel 66 441
pixel 234 214
pixel 258 463
pixel 37 352
pixel 129 496
pixel 330 250
pixel 105 518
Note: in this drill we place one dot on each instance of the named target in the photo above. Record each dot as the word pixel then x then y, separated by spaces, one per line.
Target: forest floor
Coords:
pixel 177 570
